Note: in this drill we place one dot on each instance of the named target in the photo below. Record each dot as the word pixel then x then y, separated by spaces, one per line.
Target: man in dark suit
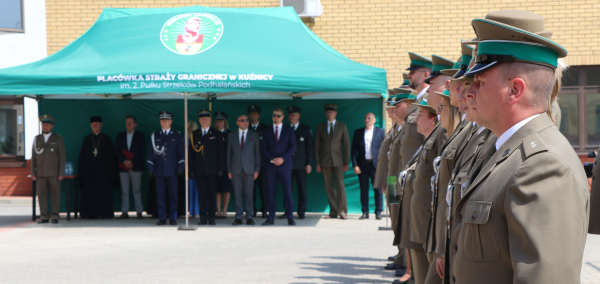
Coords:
pixel 261 181
pixel 302 158
pixel 243 165
pixel 278 146
pixel 206 164
pixel 130 148
pixel 365 149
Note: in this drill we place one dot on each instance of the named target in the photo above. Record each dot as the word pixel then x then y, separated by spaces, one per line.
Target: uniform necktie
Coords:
pixel 331 129
pixel 242 144
pixel 276 139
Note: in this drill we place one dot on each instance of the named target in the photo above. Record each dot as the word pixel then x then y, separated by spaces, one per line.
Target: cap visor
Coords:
pixel 481 67
pixel 459 74
pixel 449 72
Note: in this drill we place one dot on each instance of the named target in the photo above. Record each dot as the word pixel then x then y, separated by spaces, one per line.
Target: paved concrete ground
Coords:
pixel 132 251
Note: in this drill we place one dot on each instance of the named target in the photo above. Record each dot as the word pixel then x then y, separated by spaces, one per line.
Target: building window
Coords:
pixel 579 102
pixel 11 16
pixel 12 132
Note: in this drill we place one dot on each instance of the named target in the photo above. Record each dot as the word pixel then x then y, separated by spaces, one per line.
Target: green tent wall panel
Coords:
pixel 72 122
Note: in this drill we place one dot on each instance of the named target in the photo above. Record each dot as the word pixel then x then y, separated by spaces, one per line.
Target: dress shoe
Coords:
pixel 203 222
pixel 291 222
pixel 140 216
pixel 42 221
pixel 237 222
pixel 264 215
pixel 161 222
pixel 224 216
pixel 364 216
pixel 378 216
pixel 397 281
pixel 54 221
pixel 212 223
pixel 124 216
pixel 400 272
pixel 173 222
pixel 282 216
pixel 153 216
pixel 301 216
pixel 254 215
pixel 392 266
pixel 249 222
pixel 392 258
pixel 269 222
pixel 343 217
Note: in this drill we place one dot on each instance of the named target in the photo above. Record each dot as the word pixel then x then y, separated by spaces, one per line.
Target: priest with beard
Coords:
pixel 98 173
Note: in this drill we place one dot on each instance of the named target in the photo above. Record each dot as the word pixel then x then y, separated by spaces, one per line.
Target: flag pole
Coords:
pixel 187 184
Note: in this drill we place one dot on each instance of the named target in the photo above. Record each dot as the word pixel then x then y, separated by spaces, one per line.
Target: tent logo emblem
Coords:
pixel 191 33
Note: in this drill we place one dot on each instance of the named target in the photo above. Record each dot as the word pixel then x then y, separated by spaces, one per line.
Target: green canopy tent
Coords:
pixel 220 55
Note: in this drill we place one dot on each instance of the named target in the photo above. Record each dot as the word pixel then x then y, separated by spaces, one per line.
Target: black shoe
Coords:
pixel 291 222
pixel 301 216
pixel 212 223
pixel 173 222
pixel 254 215
pixel 264 215
pixel 400 272
pixel 392 266
pixel 161 222
pixel 397 281
pixel 154 216
pixel 42 221
pixel 378 216
pixel 249 222
pixel 237 222
pixel 392 258
pixel 282 216
pixel 269 222
pixel 204 222
pixel 54 221
pixel 140 216
pixel 364 216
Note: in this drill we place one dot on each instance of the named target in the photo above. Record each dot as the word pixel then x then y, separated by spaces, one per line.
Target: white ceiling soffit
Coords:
pixel 345 96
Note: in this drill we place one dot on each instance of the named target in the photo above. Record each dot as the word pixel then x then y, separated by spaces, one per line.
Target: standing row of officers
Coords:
pixel 252 159
pixel 482 185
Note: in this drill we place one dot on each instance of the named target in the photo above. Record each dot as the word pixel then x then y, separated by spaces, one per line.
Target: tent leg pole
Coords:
pixel 187 184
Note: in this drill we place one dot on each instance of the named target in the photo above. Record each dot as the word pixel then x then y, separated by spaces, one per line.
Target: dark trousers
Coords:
pixel 367 171
pixel 166 187
pixel 261 186
pixel 273 173
pixel 300 177
pixel 207 196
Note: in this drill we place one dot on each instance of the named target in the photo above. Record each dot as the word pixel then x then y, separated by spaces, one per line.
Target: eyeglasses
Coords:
pixel 244 120
pixel 441 106
pixel 277 115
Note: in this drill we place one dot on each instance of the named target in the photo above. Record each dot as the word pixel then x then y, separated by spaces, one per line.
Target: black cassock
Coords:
pixel 98 174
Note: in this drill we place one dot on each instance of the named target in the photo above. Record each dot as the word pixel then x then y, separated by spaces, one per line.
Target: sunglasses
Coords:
pixel 277 115
pixel 441 106
pixel 244 120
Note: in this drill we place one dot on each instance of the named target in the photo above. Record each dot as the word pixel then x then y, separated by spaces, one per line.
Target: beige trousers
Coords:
pixel 334 177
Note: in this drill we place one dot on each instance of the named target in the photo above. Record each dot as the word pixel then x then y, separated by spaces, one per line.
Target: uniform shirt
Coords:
pixel 481 130
pixel 295 126
pixel 368 141
pixel 165 132
pixel 254 126
pixel 508 133
pixel 400 127
pixel 278 127
pixel 205 130
pixel 223 131
pixel 242 133
pixel 329 124
pixel 422 92
pixel 46 136
pixel 129 138
pixel 463 117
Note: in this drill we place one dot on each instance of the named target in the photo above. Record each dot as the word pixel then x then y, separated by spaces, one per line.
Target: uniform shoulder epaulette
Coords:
pixel 533 144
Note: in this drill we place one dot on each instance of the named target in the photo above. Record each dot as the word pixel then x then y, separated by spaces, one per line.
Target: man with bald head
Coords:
pixel 364 153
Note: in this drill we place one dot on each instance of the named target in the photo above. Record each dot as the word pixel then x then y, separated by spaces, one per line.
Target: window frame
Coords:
pixel 12 161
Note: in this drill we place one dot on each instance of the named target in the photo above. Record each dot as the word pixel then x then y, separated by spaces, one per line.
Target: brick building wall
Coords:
pixel 376 32
pixel 14 181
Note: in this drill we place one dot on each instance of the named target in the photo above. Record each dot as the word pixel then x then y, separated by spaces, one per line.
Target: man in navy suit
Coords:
pixel 130 148
pixel 364 152
pixel 278 146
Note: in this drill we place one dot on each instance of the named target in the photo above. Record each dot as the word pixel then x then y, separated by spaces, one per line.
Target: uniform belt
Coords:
pixel 368 161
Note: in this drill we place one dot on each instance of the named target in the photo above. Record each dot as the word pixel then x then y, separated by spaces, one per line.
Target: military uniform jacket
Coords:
pixel 411 140
pixel 594 227
pixel 211 156
pixel 304 147
pixel 48 158
pixel 166 155
pixel 334 151
pixel 422 203
pixel 450 152
pixel 402 234
pixel 381 170
pixel 395 164
pixel 525 215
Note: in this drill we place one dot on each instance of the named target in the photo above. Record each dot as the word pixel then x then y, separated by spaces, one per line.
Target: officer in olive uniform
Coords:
pixel 261 181
pixel 48 168
pixel 206 163
pixel 166 162
pixel 302 158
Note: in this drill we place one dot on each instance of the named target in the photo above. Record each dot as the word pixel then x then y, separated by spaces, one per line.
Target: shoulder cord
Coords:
pixel 156 150
pixel 194 146
pixel 36 150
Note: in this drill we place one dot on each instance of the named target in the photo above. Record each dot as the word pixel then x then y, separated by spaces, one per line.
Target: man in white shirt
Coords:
pixel 364 153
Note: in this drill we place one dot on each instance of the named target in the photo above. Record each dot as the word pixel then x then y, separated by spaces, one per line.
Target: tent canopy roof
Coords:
pixel 195 49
